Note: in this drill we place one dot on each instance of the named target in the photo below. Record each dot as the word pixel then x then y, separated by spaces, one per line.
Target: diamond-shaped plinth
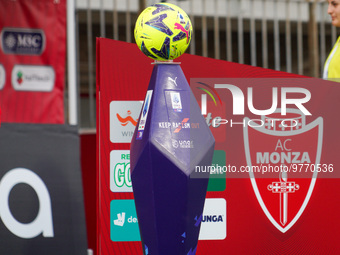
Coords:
pixel 171 138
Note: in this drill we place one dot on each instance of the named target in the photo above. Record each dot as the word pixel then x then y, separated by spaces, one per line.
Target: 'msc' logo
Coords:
pixel 23 41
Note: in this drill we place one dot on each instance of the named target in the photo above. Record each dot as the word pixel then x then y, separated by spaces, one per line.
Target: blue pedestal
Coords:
pixel 171 138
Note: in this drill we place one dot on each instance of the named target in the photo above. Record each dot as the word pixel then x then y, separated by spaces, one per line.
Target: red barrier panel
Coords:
pixel 234 220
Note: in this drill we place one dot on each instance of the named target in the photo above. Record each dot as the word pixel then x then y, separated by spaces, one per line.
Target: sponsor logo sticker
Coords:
pixel 123 120
pixel 214 220
pixel 144 114
pixel 123 221
pixel 2 76
pixel 120 179
pixel 33 78
pixel 176 101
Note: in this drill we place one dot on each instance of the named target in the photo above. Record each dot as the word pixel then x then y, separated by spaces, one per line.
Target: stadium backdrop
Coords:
pixel 32 61
pixel 41 205
pixel 234 222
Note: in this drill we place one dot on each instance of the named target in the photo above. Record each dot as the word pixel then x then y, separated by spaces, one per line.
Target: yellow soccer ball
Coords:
pixel 163 31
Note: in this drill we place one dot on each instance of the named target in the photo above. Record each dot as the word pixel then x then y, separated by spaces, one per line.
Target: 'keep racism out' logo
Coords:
pixel 278 143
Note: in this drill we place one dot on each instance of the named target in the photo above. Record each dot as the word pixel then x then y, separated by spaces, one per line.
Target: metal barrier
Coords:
pixel 294 36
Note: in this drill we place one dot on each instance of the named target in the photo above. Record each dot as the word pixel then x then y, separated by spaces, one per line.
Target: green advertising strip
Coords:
pixel 218 182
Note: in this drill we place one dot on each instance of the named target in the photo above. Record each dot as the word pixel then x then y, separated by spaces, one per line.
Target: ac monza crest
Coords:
pixel 283 156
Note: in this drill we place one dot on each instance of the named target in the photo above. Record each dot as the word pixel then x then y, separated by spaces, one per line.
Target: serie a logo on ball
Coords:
pixel 163 31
